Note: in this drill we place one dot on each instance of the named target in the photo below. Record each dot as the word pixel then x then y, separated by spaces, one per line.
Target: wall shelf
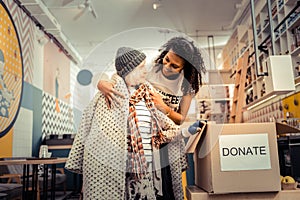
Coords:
pixel 58 147
pixel 255 85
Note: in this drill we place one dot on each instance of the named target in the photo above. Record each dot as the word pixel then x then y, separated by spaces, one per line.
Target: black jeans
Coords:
pixel 167 188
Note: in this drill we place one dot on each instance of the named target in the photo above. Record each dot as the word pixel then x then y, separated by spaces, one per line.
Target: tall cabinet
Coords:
pixel 276 73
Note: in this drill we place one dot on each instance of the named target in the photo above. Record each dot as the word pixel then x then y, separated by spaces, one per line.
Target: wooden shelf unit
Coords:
pixel 246 75
pixel 238 93
pixel 58 147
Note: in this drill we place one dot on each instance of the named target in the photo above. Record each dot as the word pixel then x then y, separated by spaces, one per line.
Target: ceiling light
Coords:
pixel 155 5
pixel 238 5
pixel 81 6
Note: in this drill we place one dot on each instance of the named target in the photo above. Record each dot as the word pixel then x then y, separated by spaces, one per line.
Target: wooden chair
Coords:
pixel 10 186
pixel 14 173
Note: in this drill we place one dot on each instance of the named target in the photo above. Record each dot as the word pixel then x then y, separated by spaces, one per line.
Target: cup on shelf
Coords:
pixel 44 151
pixel 49 155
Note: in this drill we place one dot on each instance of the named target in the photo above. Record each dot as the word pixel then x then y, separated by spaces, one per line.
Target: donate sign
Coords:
pixel 244 152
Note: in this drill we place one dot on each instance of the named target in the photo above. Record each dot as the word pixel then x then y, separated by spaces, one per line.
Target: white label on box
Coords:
pixel 244 152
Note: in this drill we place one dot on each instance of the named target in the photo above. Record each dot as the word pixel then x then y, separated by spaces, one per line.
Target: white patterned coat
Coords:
pixel 99 150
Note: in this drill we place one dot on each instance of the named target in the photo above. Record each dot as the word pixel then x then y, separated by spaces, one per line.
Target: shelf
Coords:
pixel 275 16
pixel 259 101
pixel 215 99
pixel 266 28
pixel 231 75
pixel 262 89
pixel 248 87
pixel 260 78
pixel 283 21
pixel 294 24
pixel 57 147
pixel 281 9
pixel 297 80
pixel 244 37
pixel 295 52
pixel 290 2
pixel 251 63
pixel 288 15
pixel 244 51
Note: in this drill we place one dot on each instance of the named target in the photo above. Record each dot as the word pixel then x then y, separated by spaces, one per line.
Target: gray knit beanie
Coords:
pixel 127 59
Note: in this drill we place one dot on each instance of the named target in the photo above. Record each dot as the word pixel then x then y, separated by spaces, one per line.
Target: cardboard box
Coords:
pixel 235 158
pixel 195 193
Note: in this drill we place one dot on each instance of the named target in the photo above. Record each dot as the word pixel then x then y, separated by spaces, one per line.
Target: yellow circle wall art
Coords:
pixel 11 71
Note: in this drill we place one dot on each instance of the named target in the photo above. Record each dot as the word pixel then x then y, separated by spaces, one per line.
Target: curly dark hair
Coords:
pixel 193 62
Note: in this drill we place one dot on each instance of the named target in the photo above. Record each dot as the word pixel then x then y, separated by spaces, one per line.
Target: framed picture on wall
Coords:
pixel 11 71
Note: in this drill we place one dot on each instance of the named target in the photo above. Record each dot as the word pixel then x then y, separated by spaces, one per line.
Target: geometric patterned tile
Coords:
pixel 53 121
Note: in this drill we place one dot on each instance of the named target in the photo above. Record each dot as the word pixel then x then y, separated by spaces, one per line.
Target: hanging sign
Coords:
pixel 244 152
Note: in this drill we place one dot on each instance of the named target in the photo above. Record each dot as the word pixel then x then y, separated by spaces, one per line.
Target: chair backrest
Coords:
pixel 4 170
pixel 11 190
pixel 9 174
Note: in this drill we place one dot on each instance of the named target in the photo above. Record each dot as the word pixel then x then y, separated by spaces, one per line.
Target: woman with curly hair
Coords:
pixel 176 77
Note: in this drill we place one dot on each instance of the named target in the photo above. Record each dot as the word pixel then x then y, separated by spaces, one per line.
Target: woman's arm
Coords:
pixel 107 89
pixel 184 107
pixel 177 117
pixel 171 131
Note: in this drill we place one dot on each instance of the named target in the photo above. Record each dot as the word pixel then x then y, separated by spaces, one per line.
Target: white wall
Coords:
pixel 22 136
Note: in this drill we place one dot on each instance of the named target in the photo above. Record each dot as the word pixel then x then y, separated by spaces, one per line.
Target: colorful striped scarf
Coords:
pixel 136 161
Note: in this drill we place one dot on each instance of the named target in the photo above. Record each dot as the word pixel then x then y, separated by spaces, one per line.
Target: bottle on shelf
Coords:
pixel 294 40
pixel 297 68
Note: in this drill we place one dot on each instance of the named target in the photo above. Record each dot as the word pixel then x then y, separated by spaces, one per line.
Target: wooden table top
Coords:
pixel 33 161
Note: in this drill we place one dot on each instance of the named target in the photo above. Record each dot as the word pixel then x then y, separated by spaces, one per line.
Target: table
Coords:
pixel 26 176
pixel 195 193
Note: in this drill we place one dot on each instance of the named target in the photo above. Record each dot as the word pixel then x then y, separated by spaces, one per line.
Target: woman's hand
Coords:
pixel 107 89
pixel 159 103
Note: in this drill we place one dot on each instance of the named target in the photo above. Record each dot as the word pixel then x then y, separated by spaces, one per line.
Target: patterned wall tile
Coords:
pixel 26 30
pixel 56 120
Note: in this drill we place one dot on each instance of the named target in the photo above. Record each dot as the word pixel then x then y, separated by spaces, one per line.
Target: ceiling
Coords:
pixel 195 18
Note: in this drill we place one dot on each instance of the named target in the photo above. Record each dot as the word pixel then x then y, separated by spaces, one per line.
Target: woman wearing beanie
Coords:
pixel 116 148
